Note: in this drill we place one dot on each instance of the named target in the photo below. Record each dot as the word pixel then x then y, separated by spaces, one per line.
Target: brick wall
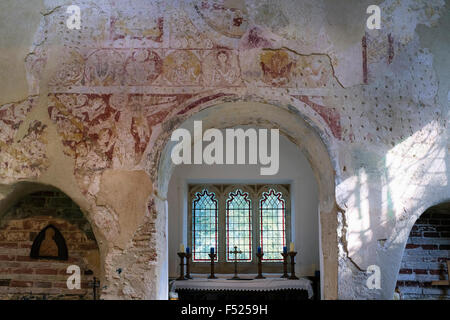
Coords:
pixel 22 277
pixel 425 256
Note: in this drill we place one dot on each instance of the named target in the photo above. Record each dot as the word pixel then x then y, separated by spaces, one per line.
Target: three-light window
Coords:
pixel 246 216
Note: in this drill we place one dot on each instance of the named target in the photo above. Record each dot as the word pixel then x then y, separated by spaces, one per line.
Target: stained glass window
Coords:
pixel 239 225
pixel 246 216
pixel 204 225
pixel 272 220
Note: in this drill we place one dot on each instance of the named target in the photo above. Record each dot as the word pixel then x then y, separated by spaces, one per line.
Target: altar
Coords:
pixel 247 288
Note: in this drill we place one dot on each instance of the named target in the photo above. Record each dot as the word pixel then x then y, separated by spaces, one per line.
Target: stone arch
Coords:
pixel 316 144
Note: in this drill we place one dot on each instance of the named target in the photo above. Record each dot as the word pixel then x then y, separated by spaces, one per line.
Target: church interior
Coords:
pixel 97 99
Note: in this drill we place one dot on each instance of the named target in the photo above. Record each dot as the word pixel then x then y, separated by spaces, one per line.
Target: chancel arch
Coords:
pixel 294 130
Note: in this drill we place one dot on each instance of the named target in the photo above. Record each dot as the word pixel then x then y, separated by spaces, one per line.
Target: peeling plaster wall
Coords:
pixel 92 113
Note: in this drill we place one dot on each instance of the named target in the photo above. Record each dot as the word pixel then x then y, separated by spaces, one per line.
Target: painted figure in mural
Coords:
pixel 99 157
pixel 143 67
pixel 182 68
pixel 276 67
pixel 48 247
pixel 7 127
pixel 315 72
pixel 223 71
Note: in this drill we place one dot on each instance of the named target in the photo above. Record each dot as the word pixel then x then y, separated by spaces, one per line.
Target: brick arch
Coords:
pixel 308 135
pixel 424 258
pixel 25 277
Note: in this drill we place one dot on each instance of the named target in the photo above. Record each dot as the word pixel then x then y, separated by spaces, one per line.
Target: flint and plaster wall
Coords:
pixel 294 170
pixel 90 111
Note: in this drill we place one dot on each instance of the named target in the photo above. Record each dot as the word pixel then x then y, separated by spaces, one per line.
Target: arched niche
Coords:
pixel 293 125
pixel 425 256
pixel 49 244
pixel 36 215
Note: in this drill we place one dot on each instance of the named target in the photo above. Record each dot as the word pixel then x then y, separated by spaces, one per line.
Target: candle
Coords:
pixel 181 247
pixel 259 250
pixel 284 249
pixel 291 248
pixel 212 250
pixel 187 250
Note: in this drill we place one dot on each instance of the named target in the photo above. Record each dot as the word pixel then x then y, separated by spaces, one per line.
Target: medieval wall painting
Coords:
pixel 142 67
pixel 231 21
pixel 182 67
pixel 21 157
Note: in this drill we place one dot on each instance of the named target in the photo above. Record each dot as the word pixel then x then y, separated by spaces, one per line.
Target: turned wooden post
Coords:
pixel 188 265
pixel 182 255
pixel 292 255
pixel 212 256
pixel 285 263
pixel 260 276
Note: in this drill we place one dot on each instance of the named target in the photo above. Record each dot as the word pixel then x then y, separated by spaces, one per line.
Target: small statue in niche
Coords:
pixel 49 244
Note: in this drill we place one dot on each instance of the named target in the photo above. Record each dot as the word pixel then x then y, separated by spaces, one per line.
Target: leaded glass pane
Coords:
pixel 239 225
pixel 204 225
pixel 272 210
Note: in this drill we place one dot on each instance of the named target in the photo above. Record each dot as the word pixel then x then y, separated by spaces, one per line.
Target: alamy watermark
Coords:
pixel 374 280
pixel 74 280
pixel 236 139
pixel 74 20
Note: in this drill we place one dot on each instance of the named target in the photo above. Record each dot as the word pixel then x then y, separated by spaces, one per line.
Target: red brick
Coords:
pixel 8 245
pixel 60 285
pixel 43 284
pixel 22 271
pixel 47 271
pixel 420 271
pixel 88 246
pixel 4 282
pixel 412 246
pixel 405 271
pixel 7 258
pixel 436 272
pixel 444 247
pixel 21 284
pixel 429 247
pixel 24 258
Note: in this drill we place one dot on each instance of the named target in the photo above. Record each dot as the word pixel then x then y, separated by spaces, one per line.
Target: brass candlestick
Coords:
pixel 285 263
pixel 182 255
pixel 292 255
pixel 260 276
pixel 212 256
pixel 188 266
